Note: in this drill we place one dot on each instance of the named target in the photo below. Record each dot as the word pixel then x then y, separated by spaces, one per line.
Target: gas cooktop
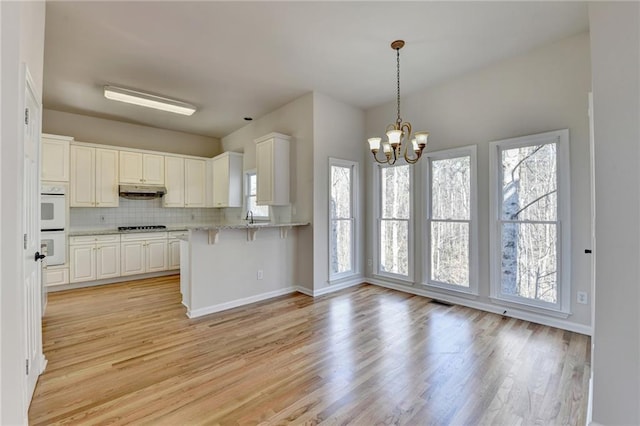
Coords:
pixel 141 228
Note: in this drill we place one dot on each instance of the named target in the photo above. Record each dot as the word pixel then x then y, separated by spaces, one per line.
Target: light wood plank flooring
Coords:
pixel 127 354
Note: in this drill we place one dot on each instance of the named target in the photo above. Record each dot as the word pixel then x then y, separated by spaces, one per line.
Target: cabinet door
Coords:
pixel 156 256
pixel 174 174
pixel 208 186
pixel 82 185
pixel 107 178
pixel 130 167
pixel 55 160
pixel 82 263
pixel 195 171
pixel 153 169
pixel 264 172
pixel 132 258
pixel 174 254
pixel 221 182
pixel 107 261
pixel 56 276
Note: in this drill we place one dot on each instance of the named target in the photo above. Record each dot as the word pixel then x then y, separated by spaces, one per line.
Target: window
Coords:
pixel 250 190
pixel 394 231
pixel 530 202
pixel 343 181
pixel 451 243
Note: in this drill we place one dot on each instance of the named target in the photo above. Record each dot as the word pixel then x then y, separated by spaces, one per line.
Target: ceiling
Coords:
pixel 238 59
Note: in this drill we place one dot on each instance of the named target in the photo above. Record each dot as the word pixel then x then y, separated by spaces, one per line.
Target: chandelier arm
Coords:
pixel 375 157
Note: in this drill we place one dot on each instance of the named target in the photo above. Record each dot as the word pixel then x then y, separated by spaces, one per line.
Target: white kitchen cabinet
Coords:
pixel 137 167
pixel 208 184
pixel 174 175
pixel 94 257
pixel 56 276
pixel 227 180
pixel 94 177
pixel 185 182
pixel 194 181
pixel 272 169
pixel 173 248
pixel 55 158
pixel 143 252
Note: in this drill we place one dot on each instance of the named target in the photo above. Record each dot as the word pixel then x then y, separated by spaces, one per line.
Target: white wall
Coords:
pixel 544 89
pixel 109 132
pixel 22 39
pixel 338 131
pixel 615 62
pixel 294 119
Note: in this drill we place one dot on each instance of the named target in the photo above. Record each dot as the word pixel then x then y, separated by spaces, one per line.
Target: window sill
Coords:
pixel 531 308
pixel 403 279
pixel 342 278
pixel 461 292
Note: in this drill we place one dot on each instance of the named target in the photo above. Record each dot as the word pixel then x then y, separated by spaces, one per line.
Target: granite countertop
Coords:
pixel 242 225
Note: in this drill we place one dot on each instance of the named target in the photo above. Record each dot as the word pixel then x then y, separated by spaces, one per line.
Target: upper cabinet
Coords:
pixel 136 167
pixel 55 158
pixel 227 180
pixel 94 177
pixel 185 182
pixel 272 169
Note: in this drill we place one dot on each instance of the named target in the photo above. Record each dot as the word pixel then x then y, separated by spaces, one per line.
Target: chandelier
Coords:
pixel 399 133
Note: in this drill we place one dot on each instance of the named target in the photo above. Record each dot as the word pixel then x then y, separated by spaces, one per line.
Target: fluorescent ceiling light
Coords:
pixel 147 100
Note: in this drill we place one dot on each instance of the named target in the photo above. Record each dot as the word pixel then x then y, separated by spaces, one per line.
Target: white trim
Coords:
pixel 563 220
pixel 465 151
pixel 337 287
pixel 195 313
pixel 377 203
pixel 354 221
pixel 304 290
pixel 487 307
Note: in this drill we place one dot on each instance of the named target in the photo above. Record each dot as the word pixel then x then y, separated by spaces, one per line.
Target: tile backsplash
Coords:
pixel 140 212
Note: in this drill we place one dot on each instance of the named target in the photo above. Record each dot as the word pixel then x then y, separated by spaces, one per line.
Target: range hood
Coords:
pixel 142 192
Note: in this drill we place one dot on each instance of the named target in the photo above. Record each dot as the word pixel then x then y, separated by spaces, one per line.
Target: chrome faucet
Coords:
pixel 249 216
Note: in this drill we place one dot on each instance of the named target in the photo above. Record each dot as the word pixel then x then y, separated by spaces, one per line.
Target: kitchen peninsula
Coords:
pixel 229 265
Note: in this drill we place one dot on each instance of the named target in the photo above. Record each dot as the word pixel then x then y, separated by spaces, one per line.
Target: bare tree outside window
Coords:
pixel 528 217
pixel 341 246
pixel 450 220
pixel 395 198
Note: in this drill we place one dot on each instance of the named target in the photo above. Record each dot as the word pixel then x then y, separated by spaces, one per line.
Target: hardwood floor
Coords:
pixel 127 354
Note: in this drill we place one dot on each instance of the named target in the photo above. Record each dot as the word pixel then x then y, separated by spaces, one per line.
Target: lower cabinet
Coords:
pixel 143 252
pixel 56 275
pixel 174 249
pixel 94 257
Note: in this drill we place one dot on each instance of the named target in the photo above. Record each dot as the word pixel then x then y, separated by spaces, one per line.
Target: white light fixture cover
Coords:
pixel 148 100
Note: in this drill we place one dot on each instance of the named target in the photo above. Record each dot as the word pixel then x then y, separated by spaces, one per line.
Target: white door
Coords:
pixel 108 261
pixel 33 287
pixel 221 182
pixel 195 171
pixel 174 254
pixel 153 168
pixel 82 261
pixel 107 178
pixel 82 186
pixel 132 258
pixel 264 172
pixel 130 167
pixel 156 255
pixel 174 173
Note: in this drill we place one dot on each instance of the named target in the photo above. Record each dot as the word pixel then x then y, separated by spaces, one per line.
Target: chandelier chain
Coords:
pixel 399 120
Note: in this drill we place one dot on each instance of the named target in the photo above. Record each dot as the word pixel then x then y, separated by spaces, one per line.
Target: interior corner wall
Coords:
pixel 338 132
pixel 296 120
pixel 117 133
pixel 22 41
pixel 615 62
pixel 541 90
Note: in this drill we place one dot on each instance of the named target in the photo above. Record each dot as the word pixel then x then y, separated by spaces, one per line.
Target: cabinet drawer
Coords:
pixel 56 276
pixel 177 234
pixel 88 239
pixel 144 236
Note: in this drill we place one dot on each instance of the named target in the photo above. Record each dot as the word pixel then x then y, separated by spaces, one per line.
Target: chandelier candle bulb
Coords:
pixel 398 131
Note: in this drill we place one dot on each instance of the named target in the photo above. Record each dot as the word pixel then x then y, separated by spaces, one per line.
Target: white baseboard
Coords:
pixel 194 313
pixel 304 290
pixel 482 306
pixel 339 286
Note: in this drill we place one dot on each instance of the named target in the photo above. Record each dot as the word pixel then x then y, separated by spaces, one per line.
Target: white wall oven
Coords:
pixel 52 224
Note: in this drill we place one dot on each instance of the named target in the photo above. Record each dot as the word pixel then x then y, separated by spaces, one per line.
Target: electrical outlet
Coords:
pixel 583 298
pixel 260 274
pixel 102 219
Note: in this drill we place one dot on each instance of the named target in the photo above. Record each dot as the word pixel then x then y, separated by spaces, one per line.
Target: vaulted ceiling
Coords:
pixel 238 59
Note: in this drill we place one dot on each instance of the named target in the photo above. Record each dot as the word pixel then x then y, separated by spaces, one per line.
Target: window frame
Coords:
pixel 562 308
pixel 353 165
pixel 246 194
pixel 377 183
pixel 465 151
